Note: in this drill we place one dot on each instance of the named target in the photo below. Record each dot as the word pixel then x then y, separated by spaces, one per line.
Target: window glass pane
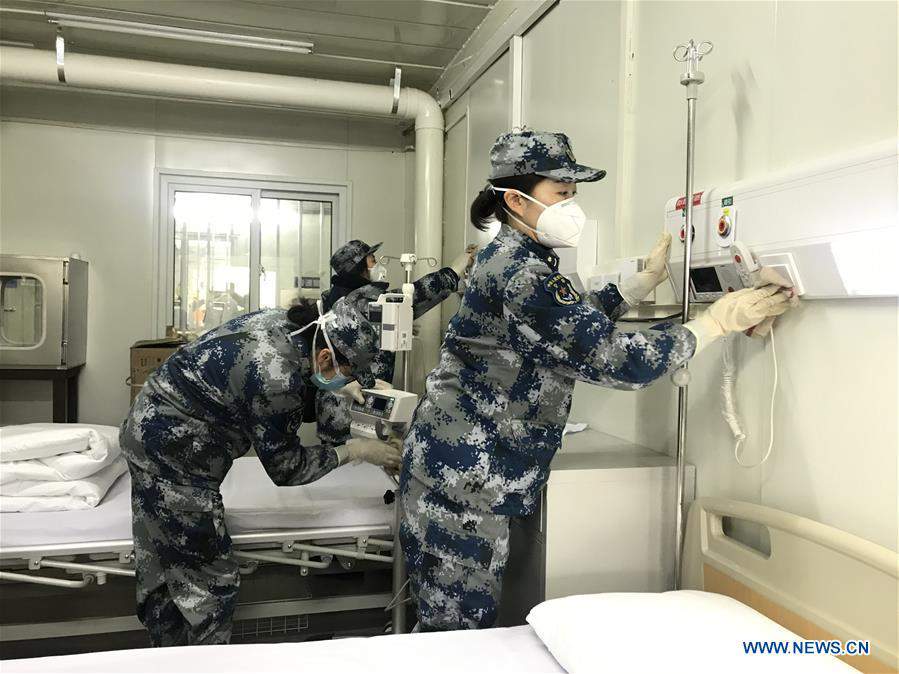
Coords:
pixel 296 250
pixel 212 258
pixel 22 314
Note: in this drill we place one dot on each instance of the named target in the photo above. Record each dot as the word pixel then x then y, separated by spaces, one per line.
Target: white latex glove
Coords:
pixel 464 260
pixel 767 276
pixel 376 452
pixel 352 390
pixel 738 312
pixel 634 289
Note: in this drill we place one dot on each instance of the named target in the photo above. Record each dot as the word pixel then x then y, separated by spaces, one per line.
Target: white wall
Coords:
pixel 68 188
pixel 571 85
pixel 473 123
pixel 777 93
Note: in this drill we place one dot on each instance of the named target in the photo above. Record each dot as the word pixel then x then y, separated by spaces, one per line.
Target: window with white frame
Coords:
pixel 230 245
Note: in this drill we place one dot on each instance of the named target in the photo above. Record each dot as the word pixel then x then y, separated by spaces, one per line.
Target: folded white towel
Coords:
pixel 40 496
pixel 99 448
pixel 38 441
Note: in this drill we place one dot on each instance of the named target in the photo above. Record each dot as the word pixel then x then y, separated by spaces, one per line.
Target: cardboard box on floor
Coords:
pixel 146 356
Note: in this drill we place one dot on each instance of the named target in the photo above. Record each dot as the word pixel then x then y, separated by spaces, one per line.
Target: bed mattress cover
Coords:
pixel 514 649
pixel 352 495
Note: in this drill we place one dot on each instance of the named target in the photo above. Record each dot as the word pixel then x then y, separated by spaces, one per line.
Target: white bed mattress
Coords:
pixel 352 495
pixel 515 649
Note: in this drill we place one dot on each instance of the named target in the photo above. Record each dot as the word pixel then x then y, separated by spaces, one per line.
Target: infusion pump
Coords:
pixel 385 413
pixel 393 313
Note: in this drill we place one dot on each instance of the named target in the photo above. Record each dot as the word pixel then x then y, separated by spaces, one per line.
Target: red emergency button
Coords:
pixel 738 259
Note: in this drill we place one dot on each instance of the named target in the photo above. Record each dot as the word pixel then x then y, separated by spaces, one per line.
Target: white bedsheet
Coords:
pixel 64 495
pixel 513 650
pixel 350 495
pixel 37 441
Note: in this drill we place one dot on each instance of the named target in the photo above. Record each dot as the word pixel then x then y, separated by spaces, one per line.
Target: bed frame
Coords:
pixel 817 581
pixel 304 549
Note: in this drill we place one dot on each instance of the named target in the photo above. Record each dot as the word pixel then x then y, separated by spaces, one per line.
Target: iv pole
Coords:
pixel 691 54
pixel 397 605
pixel 400 578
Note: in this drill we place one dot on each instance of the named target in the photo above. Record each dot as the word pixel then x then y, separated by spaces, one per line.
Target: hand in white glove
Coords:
pixel 352 390
pixel 464 260
pixel 738 312
pixel 376 452
pixel 634 289
pixel 768 276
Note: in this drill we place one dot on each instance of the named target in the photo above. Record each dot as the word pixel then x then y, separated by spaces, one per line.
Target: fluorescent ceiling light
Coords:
pixel 176 33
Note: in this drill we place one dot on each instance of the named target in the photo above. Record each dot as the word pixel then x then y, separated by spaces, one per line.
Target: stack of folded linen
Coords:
pixel 57 466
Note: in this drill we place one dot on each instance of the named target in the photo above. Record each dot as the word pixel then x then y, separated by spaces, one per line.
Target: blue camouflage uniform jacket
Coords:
pixel 242 384
pixel 492 417
pixel 332 410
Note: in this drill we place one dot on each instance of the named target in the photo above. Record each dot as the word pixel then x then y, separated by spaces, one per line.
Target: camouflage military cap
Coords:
pixel 356 338
pixel 546 154
pixel 349 255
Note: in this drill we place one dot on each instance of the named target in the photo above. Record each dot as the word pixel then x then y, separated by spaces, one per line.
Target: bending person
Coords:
pixel 483 437
pixel 243 384
pixel 359 278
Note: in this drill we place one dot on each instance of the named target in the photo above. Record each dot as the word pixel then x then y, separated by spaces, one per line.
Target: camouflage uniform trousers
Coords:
pixel 455 576
pixel 187 580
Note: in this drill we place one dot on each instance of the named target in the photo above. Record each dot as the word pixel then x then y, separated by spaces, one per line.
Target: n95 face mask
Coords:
pixel 378 272
pixel 559 225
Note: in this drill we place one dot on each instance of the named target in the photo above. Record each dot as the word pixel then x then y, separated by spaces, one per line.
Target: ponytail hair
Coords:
pixel 489 204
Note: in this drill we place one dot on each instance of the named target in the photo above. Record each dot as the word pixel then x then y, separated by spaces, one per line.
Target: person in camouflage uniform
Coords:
pixel 480 446
pixel 353 264
pixel 244 384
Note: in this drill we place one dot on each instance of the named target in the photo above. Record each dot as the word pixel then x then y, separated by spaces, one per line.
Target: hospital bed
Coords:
pixel 340 524
pixel 816 581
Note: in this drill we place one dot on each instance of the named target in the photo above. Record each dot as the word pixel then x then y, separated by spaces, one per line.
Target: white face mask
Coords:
pixel 559 225
pixel 378 273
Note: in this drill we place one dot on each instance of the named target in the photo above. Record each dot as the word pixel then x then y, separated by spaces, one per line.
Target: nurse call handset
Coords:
pixel 745 263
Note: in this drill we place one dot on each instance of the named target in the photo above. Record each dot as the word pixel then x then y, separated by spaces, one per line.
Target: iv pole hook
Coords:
pixel 691 54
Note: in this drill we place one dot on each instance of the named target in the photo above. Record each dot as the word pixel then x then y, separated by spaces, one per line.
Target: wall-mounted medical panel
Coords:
pixel 43 311
pixel 832 226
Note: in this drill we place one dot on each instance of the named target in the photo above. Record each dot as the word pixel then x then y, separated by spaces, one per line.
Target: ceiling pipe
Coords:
pixel 104 73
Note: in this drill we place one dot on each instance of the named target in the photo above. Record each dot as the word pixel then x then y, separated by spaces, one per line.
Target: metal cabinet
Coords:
pixel 43 312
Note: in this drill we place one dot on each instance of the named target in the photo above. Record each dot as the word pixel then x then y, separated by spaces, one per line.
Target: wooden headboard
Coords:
pixel 817 581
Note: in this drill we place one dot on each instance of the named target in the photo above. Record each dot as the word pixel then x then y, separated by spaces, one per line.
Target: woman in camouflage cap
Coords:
pixel 483 437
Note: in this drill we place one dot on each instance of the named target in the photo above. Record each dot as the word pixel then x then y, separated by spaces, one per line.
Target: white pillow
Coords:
pixel 672 632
